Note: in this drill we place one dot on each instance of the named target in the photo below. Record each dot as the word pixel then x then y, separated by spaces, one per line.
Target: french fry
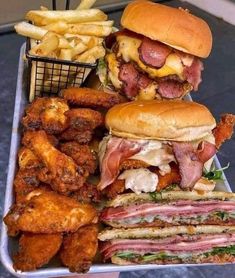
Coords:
pixel 70 16
pixel 89 29
pixel 78 49
pixel 30 30
pixel 103 23
pixel 46 47
pixel 91 55
pixel 85 4
pixel 63 43
pixel 94 41
pixel 58 27
pixel 66 54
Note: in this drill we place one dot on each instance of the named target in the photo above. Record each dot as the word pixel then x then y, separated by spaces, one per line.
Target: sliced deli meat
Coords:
pixel 173 213
pixel 117 150
pixel 153 53
pixel 193 73
pixel 191 161
pixel 175 246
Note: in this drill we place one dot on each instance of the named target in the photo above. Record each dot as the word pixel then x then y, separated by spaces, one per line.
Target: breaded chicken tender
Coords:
pixel 87 97
pixel 79 249
pixel 63 175
pixel 46 212
pixel 36 250
pixel 81 154
pixel 224 129
pixel 84 118
pixel 46 113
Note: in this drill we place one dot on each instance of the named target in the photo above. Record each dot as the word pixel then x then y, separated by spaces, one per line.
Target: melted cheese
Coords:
pixel 156 153
pixel 140 180
pixel 113 67
pixel 128 49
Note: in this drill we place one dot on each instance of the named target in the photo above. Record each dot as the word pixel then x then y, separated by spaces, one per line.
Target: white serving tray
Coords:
pixel 8 245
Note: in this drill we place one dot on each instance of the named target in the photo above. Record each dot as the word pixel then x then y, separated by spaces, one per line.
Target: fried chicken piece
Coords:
pixel 132 164
pixel 224 129
pixel 63 175
pixel 27 159
pixel 79 249
pixel 25 181
pixel 48 212
pixel 46 113
pixel 81 154
pixel 117 187
pixel 87 193
pixel 80 136
pixel 36 250
pixel 169 178
pixel 84 118
pixel 87 97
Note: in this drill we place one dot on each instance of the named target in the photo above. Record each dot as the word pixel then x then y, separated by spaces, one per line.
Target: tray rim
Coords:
pixel 57 271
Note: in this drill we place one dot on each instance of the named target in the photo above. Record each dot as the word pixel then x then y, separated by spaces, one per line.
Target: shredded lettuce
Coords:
pixel 161 255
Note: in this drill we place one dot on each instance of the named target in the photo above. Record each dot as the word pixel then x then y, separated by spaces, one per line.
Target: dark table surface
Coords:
pixel 217 91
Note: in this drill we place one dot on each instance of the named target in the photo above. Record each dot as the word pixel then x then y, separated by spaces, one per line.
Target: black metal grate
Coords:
pixel 47 76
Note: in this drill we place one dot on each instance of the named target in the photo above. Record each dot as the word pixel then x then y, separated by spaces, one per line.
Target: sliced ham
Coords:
pixel 184 244
pixel 118 150
pixel 170 89
pixel 132 80
pixel 153 53
pixel 191 161
pixel 174 209
pixel 193 73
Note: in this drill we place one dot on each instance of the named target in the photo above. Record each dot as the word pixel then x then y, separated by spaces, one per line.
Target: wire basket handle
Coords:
pixel 67 4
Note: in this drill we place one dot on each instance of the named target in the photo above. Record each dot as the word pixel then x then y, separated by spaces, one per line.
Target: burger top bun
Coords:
pixel 174 120
pixel 175 27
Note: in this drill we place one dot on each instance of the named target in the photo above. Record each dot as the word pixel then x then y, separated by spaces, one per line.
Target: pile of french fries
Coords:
pixel 71 35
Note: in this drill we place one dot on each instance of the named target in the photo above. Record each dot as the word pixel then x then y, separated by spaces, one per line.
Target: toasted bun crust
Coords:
pixel 156 232
pixel 175 27
pixel 174 120
pixel 128 198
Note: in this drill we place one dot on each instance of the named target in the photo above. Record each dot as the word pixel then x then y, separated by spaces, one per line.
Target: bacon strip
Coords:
pixel 224 129
pixel 193 73
pixel 132 80
pixel 191 161
pixel 178 245
pixel 118 150
pixel 153 53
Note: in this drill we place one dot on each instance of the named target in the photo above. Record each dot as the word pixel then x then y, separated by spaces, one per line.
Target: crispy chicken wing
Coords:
pixel 84 118
pixel 87 97
pixel 224 129
pixel 27 159
pixel 80 136
pixel 81 154
pixel 87 193
pixel 46 113
pixel 25 181
pixel 35 250
pixel 63 174
pixel 79 249
pixel 49 212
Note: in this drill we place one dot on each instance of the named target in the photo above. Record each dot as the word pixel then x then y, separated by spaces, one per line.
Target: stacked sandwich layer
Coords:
pixel 173 227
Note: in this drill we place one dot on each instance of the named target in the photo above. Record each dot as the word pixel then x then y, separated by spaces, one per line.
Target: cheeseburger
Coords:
pixel 156 143
pixel 157 53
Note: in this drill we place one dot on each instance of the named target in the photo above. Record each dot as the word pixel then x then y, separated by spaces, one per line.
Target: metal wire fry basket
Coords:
pixel 47 76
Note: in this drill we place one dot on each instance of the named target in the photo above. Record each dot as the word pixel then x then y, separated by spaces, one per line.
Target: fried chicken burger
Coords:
pixel 157 53
pixel 153 144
